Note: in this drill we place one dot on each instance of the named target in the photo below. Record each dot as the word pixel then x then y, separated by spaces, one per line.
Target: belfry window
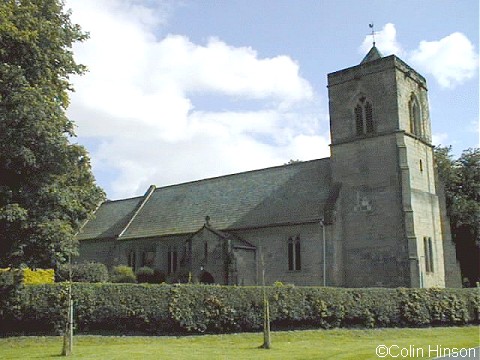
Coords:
pixel 416 123
pixel 364 123
pixel 359 119
pixel 368 118
pixel 294 254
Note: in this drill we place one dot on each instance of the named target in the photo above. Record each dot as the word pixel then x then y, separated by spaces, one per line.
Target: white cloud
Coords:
pixel 474 127
pixel 218 67
pixel 439 139
pixel 137 102
pixel 303 146
pixel 385 41
pixel 451 60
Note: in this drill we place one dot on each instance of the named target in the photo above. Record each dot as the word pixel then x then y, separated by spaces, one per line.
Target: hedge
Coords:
pixel 90 272
pixel 168 309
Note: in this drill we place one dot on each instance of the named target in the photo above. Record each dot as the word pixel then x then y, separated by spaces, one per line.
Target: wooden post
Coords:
pixel 68 336
pixel 266 308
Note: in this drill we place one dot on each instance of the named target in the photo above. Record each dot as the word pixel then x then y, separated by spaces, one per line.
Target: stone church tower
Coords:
pixel 388 213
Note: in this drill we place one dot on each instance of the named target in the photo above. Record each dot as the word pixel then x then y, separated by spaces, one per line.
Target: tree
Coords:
pixel 461 178
pixel 47 189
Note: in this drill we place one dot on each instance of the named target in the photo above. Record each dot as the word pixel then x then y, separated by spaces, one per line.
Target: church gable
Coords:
pixel 110 219
pixel 211 255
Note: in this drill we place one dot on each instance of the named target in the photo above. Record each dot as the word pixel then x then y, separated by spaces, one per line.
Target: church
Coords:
pixel 370 215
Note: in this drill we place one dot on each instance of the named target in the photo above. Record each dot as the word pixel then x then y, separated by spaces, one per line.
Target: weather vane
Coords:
pixel 371 26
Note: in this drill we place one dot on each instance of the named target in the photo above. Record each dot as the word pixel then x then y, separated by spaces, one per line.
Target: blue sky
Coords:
pixel 183 90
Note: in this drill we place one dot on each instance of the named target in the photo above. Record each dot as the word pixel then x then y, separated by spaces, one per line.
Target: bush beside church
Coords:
pixel 168 309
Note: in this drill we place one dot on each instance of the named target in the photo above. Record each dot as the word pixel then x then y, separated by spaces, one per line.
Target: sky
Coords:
pixel 183 90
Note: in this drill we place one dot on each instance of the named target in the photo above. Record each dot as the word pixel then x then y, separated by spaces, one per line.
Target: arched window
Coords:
pixel 172 260
pixel 291 258
pixel 416 123
pixel 364 123
pixel 298 259
pixel 368 118
pixel 132 257
pixel 294 254
pixel 359 119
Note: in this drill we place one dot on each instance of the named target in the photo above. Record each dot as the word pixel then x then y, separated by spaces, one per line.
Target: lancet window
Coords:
pixel 416 123
pixel 294 254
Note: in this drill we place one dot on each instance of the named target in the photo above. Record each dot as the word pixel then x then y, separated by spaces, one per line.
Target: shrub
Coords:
pixel 29 276
pixel 148 275
pixel 122 274
pixel 84 272
pixel 38 276
pixel 145 275
pixel 159 277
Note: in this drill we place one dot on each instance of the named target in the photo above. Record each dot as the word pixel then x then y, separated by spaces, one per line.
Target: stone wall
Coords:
pixel 273 242
pixel 101 250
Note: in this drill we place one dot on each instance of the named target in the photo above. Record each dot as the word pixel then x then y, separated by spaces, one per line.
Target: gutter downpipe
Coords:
pixel 324 250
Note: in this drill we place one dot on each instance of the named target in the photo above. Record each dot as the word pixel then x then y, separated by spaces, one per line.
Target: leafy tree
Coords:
pixel 461 178
pixel 47 189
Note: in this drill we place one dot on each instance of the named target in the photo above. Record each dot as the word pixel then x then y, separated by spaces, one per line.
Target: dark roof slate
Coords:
pixel 287 194
pixel 373 54
pixel 110 219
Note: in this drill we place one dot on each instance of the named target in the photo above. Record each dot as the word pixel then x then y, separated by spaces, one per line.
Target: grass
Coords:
pixel 308 344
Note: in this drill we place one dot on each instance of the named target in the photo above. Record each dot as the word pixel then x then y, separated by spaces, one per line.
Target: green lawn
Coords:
pixel 309 344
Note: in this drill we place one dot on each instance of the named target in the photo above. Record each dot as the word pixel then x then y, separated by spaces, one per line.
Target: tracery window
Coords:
pixel 294 254
pixel 364 123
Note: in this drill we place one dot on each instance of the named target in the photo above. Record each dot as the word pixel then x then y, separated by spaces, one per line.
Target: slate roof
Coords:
pixel 288 194
pixel 110 219
pixel 373 54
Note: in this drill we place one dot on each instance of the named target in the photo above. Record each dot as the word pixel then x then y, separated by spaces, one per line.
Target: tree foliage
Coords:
pixel 47 189
pixel 461 178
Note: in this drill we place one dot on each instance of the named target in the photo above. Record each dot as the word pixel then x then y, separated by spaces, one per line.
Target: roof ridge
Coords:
pixel 243 172
pixel 125 199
